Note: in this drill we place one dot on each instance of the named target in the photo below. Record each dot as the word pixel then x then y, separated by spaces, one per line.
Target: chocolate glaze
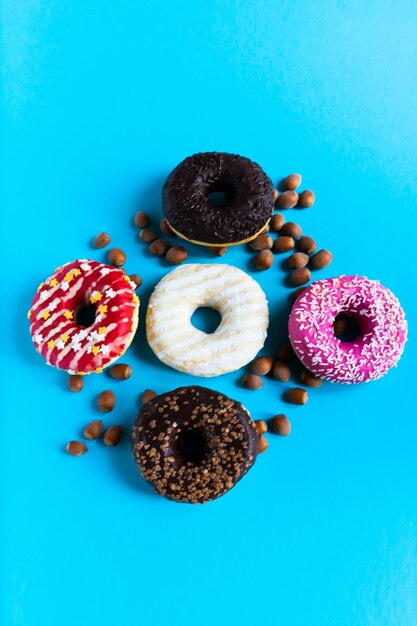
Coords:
pixel 249 193
pixel 193 444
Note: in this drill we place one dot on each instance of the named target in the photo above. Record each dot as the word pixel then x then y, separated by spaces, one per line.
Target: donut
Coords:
pixel 247 199
pixel 240 335
pixel 380 321
pixel 193 444
pixel 84 316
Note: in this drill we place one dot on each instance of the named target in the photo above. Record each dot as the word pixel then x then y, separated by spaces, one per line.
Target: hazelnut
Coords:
pixel 166 228
pixel 284 244
pixel 297 260
pixel 309 380
pixel 218 250
pixel 306 199
pixel 252 381
pixel 176 255
pixel 76 448
pixel 135 278
pixel 261 242
pixel 120 371
pixel 291 182
pixel 287 200
pixel 297 292
pixel 261 427
pixel 296 395
pixel 281 425
pixel 265 230
pixel 75 382
pixel 307 245
pixel 117 257
pixel 101 241
pixel 300 276
pixel 141 219
pixel 263 444
pixel 264 259
pixel 93 429
pixel 281 372
pixel 261 366
pixel 321 259
pixel 147 395
pixel 106 401
pixel 275 195
pixel 159 247
pixel 147 235
pixel 113 435
pixel 277 222
pixel 291 229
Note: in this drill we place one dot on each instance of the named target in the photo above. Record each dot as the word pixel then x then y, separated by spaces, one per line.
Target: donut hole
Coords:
pixel 346 327
pixel 192 445
pixel 85 314
pixel 221 194
pixel 206 319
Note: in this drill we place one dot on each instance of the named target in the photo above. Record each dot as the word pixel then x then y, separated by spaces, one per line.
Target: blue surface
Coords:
pixel 101 100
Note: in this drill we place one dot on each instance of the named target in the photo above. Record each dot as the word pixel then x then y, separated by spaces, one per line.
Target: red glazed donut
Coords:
pixel 83 347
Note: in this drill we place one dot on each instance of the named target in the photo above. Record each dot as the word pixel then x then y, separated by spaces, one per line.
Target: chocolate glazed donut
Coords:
pixel 217 199
pixel 194 444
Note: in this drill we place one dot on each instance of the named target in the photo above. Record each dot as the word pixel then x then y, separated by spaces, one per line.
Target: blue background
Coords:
pixel 100 101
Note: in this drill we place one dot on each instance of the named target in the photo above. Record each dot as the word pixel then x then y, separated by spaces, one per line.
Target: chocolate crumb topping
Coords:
pixel 246 192
pixel 194 444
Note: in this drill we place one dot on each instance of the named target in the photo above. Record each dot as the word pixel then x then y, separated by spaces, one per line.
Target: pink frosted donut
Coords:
pixel 57 331
pixel 380 318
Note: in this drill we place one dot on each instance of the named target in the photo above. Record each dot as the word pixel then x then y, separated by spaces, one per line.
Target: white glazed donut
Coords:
pixel 235 295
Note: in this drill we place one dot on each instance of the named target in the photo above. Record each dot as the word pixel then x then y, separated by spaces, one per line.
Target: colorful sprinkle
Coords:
pixel 96 296
pixel 44 295
pixel 93 336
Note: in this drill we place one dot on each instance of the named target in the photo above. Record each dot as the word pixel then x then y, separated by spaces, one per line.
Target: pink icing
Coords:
pixel 380 318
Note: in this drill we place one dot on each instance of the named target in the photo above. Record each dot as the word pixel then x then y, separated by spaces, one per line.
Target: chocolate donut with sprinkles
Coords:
pixel 373 313
pixel 194 444
pixel 84 316
pixel 218 199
